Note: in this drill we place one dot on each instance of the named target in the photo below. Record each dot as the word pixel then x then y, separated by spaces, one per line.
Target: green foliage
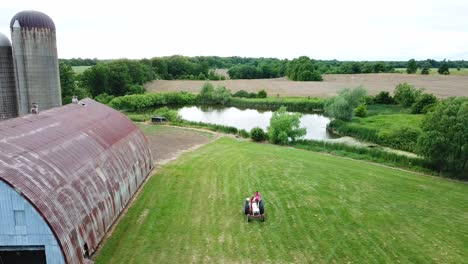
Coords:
pixel 444 140
pixel 361 110
pixel 399 131
pixel 299 104
pixel 170 114
pixel 342 106
pixel 104 98
pixel 217 96
pixel 241 94
pixel 138 102
pixel 426 68
pixel 284 126
pixel 262 94
pixel 412 67
pixel 303 69
pixel 423 102
pixel 136 89
pixel 444 68
pixel 257 134
pixel 383 97
pixel 405 94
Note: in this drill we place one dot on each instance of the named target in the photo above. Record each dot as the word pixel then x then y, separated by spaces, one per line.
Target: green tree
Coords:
pixel 67 82
pixel 444 68
pixel 342 106
pixel 422 103
pixel 426 68
pixel 262 94
pixel 206 93
pixel 285 126
pixel 257 134
pixel 444 140
pixel 405 94
pixel 361 110
pixel 221 95
pixel 303 69
pixel 412 66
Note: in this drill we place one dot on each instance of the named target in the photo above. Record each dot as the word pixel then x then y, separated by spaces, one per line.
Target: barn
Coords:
pixel 65 176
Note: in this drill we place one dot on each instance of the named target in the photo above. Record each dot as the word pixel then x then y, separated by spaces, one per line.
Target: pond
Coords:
pixel 249 118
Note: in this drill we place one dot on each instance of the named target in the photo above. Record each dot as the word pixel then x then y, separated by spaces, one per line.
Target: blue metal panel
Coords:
pixel 34 232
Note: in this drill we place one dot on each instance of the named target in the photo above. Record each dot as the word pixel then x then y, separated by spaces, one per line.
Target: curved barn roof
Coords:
pixel 78 165
pixel 4 41
pixel 33 19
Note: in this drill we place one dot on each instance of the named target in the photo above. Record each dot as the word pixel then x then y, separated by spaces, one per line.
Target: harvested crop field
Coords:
pixel 440 85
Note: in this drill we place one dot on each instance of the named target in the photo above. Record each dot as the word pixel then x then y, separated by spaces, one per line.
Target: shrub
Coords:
pixel 384 97
pixel 136 89
pixel 406 94
pixel 243 133
pixel 404 138
pixel 342 106
pixel 169 114
pixel 284 126
pixel 241 94
pixel 104 98
pixel 423 103
pixel 412 67
pixel 361 110
pixel 426 67
pixel 444 68
pixel 257 134
pixel 262 94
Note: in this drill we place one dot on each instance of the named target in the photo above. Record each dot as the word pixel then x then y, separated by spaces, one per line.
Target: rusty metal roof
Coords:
pixel 78 165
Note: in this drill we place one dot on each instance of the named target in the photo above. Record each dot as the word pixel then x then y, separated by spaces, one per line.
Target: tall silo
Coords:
pixel 36 62
pixel 8 106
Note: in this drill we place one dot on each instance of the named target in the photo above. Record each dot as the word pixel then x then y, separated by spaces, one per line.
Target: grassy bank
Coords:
pixel 399 131
pixel 320 209
pixel 294 104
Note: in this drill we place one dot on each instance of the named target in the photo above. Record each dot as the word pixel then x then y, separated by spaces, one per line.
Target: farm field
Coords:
pixel 433 71
pixel 80 69
pixel 319 209
pixel 441 86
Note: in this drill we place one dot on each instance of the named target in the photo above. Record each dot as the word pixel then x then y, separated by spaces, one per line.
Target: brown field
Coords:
pixel 440 85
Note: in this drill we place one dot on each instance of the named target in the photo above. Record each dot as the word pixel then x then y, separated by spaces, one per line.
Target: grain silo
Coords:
pixel 35 60
pixel 66 174
pixel 8 106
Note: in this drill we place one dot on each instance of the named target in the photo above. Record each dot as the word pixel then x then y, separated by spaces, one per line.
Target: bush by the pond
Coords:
pixel 257 134
pixel 383 97
pixel 362 153
pixel 138 102
pixel 342 106
pixel 170 114
pixel 361 110
pixel 422 103
pixel 262 94
pixel 285 126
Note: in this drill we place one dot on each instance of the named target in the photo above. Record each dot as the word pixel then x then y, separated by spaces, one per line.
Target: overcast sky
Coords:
pixel 329 29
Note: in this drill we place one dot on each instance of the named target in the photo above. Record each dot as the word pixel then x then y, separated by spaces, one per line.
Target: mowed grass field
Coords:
pixel 320 209
pixel 440 85
pixel 80 69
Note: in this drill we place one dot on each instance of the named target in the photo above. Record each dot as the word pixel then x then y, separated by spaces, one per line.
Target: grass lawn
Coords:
pixel 80 69
pixel 382 109
pixel 386 124
pixel 319 209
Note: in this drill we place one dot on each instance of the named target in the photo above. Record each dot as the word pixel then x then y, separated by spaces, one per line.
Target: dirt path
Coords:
pixel 440 85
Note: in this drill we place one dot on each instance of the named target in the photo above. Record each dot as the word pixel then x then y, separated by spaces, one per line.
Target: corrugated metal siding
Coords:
pixel 35 230
pixel 78 165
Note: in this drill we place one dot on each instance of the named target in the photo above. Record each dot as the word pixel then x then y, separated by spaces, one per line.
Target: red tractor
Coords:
pixel 253 208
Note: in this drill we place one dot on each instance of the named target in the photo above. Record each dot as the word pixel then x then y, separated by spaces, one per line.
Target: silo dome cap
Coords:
pixel 4 41
pixel 32 19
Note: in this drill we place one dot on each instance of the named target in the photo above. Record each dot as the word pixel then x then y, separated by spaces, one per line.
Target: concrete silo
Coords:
pixel 36 62
pixel 8 106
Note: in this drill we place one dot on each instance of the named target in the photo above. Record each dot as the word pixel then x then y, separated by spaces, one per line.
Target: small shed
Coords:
pixel 158 119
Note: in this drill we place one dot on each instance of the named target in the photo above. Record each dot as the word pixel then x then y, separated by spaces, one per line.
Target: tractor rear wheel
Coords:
pixel 246 207
pixel 262 209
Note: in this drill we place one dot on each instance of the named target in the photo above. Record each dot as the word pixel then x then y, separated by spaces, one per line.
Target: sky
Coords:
pixel 344 30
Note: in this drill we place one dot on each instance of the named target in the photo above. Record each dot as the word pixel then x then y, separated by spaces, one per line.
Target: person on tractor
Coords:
pixel 255 199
